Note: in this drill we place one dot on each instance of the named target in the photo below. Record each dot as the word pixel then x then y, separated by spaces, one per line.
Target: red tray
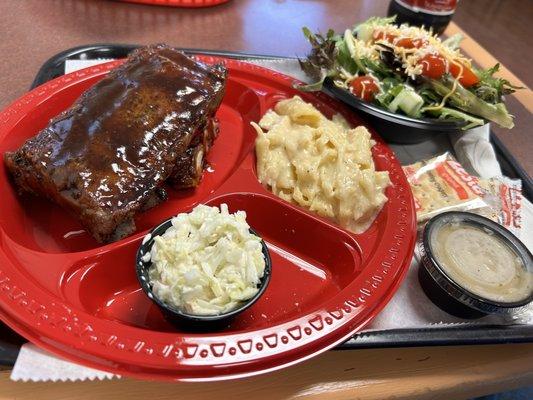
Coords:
pixel 179 3
pixel 81 300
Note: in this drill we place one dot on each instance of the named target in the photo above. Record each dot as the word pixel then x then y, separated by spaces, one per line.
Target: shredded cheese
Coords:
pixel 410 57
pixel 390 36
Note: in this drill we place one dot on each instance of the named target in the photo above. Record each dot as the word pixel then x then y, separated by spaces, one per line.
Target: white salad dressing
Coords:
pixel 482 263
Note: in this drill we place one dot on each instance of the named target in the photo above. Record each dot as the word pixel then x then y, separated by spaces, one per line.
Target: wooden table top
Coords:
pixel 447 373
pixel 34 30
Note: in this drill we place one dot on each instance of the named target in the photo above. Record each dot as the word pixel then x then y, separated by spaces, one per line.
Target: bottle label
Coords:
pixel 433 7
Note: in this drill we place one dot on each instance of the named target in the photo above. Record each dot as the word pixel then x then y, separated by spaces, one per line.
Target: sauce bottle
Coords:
pixel 434 14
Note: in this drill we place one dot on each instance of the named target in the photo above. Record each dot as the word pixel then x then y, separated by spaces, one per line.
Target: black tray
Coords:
pixel 10 342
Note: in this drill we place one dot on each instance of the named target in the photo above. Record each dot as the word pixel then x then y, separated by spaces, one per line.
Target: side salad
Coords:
pixel 408 70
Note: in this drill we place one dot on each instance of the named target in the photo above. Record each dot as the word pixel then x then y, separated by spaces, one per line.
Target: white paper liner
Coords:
pixel 37 365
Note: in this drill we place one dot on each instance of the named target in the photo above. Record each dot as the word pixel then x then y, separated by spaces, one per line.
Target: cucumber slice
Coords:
pixel 408 101
pixel 365 32
pixel 349 40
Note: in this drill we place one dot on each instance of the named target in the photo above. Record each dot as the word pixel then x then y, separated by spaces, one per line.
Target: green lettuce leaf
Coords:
pixel 490 88
pixel 467 101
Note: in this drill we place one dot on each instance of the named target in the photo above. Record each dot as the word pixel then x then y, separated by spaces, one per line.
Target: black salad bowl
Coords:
pixel 395 128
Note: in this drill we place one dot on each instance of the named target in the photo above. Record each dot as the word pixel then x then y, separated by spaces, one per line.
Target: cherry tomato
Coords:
pixel 380 35
pixel 408 43
pixel 364 87
pixel 468 77
pixel 433 65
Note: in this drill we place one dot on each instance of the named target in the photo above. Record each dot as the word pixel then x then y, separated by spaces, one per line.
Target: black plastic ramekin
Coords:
pixel 448 294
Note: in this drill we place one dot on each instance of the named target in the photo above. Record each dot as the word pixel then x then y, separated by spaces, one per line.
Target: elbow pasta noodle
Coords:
pixel 320 164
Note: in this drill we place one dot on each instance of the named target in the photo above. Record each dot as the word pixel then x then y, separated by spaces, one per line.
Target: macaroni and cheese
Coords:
pixel 320 164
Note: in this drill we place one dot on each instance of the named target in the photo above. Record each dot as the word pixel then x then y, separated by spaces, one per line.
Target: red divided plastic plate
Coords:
pixel 179 3
pixel 81 300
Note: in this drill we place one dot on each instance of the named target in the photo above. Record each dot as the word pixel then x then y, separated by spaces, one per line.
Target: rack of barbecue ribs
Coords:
pixel 105 159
